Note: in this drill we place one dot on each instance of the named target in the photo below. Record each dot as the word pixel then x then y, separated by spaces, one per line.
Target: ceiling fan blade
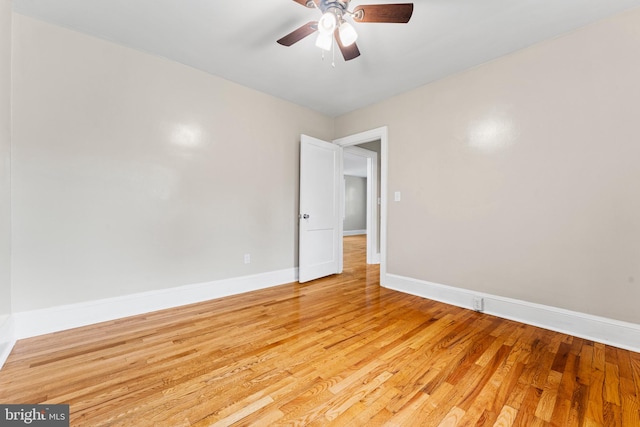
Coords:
pixel 398 13
pixel 348 52
pixel 297 35
pixel 308 3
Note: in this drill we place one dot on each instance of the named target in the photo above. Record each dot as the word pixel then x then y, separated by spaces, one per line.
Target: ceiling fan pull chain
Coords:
pixel 333 52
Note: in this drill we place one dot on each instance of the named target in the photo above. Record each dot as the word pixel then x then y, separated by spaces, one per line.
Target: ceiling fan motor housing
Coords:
pixel 336 6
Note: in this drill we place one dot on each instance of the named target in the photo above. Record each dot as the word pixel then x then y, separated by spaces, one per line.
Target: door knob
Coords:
pixel 305 216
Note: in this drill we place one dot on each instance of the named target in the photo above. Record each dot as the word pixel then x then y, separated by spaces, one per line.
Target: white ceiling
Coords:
pixel 236 40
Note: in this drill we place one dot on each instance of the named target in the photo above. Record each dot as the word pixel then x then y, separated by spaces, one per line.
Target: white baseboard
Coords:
pixel 7 339
pixel 600 329
pixel 54 319
pixel 353 232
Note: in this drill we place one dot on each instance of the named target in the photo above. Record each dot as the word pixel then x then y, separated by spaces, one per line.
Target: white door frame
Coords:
pixel 371 157
pixel 381 134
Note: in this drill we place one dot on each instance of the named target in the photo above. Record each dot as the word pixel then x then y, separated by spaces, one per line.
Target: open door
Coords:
pixel 320 219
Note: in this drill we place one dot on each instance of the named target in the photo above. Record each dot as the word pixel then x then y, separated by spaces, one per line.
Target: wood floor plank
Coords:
pixel 595 407
pixel 336 351
pixel 507 417
pixel 452 418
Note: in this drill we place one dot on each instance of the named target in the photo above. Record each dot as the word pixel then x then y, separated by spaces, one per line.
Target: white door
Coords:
pixel 320 223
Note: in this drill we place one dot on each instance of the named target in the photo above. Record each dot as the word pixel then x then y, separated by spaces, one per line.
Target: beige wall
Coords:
pixel 133 173
pixel 520 177
pixel 5 160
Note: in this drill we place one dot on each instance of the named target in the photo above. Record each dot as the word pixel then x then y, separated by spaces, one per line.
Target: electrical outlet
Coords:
pixel 478 303
pixel 247 258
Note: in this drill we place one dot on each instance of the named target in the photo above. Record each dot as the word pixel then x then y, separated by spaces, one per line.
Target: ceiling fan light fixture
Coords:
pixel 332 24
pixel 328 23
pixel 348 35
pixel 324 41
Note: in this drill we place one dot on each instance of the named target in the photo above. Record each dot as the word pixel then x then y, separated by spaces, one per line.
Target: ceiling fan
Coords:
pixel 333 23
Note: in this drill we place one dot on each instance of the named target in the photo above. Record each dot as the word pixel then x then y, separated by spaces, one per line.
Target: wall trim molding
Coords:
pixel 7 339
pixel 38 322
pixel 60 318
pixel 613 332
pixel 353 232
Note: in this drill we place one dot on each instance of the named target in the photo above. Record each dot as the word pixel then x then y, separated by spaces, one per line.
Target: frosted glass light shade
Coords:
pixel 348 35
pixel 327 24
pixel 324 41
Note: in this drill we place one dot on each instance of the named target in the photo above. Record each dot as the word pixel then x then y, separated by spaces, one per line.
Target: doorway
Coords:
pixel 381 135
pixel 361 181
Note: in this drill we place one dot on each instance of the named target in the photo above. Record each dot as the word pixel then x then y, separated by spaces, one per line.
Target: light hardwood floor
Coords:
pixel 337 351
